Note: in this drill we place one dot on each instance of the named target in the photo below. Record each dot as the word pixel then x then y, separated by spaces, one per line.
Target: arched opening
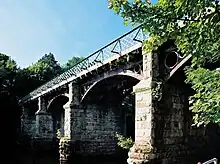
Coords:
pixel 55 107
pixel 128 106
pixel 111 109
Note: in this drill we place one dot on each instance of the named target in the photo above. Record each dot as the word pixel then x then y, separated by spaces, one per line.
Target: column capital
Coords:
pixel 143 86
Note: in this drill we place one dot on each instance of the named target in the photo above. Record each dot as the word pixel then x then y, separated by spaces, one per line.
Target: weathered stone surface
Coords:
pixel 95 128
pixel 44 126
pixel 65 150
pixel 28 123
pixel 28 126
pixel 44 122
pixel 141 152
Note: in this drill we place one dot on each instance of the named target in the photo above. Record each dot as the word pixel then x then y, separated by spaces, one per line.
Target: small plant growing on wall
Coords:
pixel 59 134
pixel 64 144
pixel 124 142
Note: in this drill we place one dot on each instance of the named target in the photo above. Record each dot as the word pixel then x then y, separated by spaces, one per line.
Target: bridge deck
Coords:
pixel 119 47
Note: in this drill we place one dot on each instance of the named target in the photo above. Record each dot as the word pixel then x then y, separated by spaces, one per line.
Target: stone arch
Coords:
pixel 123 73
pixel 54 98
pixel 55 108
pixel 110 98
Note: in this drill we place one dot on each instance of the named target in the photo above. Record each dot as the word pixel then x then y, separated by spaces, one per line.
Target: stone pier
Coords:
pixel 143 149
pixel 162 119
pixel 44 122
pixel 70 135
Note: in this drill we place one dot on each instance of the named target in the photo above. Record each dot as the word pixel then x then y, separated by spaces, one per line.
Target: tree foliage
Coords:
pixel 70 63
pixel 45 68
pixel 8 69
pixel 16 83
pixel 36 74
pixel 206 101
pixel 19 82
pixel 195 27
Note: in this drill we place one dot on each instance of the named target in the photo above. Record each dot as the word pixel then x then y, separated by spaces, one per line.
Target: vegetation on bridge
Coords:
pixel 194 25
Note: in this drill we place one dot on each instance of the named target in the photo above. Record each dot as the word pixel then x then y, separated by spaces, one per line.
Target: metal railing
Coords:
pixel 214 161
pixel 122 43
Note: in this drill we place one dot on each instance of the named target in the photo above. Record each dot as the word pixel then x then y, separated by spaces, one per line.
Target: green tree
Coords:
pixel 8 101
pixel 52 64
pixel 8 69
pixel 194 25
pixel 36 74
pixel 45 68
pixel 24 77
pixel 70 63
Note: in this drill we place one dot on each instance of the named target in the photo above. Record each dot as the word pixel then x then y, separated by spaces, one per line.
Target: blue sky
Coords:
pixel 31 28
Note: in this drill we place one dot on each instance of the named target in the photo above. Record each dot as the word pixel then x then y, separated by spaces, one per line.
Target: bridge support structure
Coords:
pixel 162 123
pixel 24 119
pixel 71 108
pixel 44 123
pixel 141 152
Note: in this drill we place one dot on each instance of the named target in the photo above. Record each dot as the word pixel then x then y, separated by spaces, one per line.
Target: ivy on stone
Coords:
pixel 157 90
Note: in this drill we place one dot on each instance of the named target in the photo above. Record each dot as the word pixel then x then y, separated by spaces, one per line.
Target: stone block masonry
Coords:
pixel 142 150
pixel 28 126
pixel 44 126
pixel 161 126
pixel 90 129
pixel 94 128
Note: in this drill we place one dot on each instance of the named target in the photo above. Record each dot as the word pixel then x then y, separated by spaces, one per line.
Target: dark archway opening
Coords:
pixel 57 112
pixel 128 106
pixel 115 103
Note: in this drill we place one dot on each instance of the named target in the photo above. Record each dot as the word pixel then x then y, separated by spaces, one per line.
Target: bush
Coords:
pixel 124 142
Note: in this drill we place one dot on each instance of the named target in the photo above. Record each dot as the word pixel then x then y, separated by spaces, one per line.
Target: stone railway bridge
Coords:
pixel 86 104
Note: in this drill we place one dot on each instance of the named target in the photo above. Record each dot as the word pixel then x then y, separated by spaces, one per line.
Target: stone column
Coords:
pixel 66 143
pixel 142 150
pixel 24 119
pixel 44 126
pixel 70 107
